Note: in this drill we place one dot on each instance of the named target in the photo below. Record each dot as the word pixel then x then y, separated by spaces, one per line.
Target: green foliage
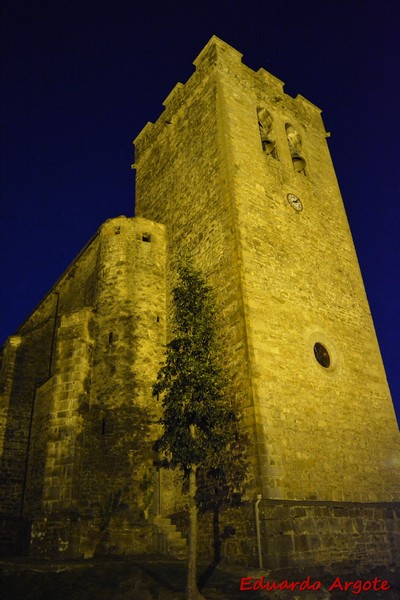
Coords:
pixel 198 421
pixel 220 478
pixel 200 428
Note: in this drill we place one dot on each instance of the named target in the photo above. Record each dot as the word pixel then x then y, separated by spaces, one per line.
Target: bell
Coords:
pixel 299 164
pixel 268 145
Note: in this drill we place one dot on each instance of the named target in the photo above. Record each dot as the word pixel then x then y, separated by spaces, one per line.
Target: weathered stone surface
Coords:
pixel 77 458
pixel 285 279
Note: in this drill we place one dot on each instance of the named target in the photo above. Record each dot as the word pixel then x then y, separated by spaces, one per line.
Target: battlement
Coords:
pixel 216 52
pixel 219 57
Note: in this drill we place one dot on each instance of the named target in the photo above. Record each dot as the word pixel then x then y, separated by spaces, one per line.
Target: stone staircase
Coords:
pixel 170 540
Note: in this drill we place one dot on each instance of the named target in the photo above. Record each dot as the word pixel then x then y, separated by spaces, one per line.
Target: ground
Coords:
pixel 150 578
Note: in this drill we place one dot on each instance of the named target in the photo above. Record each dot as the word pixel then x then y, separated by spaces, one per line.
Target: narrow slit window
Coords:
pixel 106 427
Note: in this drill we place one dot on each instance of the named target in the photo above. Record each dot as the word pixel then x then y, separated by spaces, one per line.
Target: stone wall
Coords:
pixel 332 535
pixel 27 365
pixel 285 279
pixel 77 413
pixel 118 477
pixel 307 537
pixel 325 433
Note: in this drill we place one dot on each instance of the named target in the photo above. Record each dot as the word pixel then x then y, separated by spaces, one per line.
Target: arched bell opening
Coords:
pixel 295 147
pixel 265 127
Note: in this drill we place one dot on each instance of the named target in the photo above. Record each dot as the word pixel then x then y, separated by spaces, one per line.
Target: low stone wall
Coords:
pixel 329 534
pixel 308 535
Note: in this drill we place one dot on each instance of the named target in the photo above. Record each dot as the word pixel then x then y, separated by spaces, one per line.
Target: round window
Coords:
pixel 322 355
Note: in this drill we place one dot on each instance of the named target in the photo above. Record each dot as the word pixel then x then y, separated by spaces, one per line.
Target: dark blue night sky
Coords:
pixel 81 79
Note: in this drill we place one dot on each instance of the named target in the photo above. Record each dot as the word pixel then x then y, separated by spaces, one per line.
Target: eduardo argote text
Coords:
pixel 356 587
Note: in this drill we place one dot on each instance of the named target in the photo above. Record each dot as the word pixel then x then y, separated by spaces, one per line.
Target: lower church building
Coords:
pixel 238 173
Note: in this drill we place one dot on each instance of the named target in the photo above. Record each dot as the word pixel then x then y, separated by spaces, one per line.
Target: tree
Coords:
pixel 198 421
pixel 220 482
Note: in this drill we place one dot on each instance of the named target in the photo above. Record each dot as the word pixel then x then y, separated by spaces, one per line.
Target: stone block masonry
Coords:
pixel 252 193
pixel 80 412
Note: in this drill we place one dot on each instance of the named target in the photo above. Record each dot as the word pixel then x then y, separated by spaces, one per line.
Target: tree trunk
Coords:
pixel 192 592
pixel 217 547
pixel 217 535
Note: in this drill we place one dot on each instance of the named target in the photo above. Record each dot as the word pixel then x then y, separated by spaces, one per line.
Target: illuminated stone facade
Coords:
pixel 239 173
pixel 77 407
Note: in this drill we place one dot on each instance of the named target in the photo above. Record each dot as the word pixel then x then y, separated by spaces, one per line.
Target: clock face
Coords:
pixel 295 202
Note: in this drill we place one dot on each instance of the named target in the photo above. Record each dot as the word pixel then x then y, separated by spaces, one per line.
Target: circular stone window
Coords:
pixel 322 355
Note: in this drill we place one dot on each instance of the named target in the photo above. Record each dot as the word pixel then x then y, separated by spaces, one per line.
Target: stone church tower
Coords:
pixel 240 174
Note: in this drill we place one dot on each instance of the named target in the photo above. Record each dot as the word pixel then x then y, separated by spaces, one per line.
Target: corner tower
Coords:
pixel 240 173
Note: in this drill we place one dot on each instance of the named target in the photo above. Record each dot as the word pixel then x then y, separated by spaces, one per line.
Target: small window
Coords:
pixel 117 230
pixel 112 337
pixel 106 427
pixel 322 355
pixel 146 237
pixel 158 319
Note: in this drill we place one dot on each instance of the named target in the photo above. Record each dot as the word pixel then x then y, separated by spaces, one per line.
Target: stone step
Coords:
pixel 175 542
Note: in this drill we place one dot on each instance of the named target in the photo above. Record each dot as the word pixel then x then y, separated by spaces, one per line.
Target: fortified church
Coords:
pixel 239 173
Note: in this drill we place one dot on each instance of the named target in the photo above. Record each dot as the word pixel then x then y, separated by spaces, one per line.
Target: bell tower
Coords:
pixel 240 173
